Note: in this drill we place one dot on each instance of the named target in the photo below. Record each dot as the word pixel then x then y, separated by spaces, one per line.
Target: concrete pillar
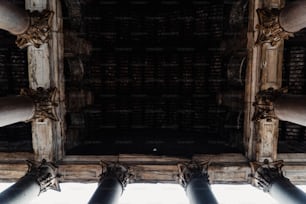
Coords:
pixel 39 178
pixel 194 178
pixel 291 108
pixel 269 177
pixel 113 180
pixel 12 18
pixel 292 17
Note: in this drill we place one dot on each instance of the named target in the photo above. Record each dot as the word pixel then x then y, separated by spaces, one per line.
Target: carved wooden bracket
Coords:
pixel 44 100
pixel 38 31
pixel 45 174
pixel 264 173
pixel 122 173
pixel 270 30
pixel 188 171
pixel 264 104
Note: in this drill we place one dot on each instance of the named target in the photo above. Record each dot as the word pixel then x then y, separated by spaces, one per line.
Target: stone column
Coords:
pixel 13 19
pixel 291 108
pixel 194 178
pixel 15 109
pixel 276 104
pixel 292 17
pixel 30 28
pixel 113 180
pixel 39 178
pixel 269 177
pixel 31 104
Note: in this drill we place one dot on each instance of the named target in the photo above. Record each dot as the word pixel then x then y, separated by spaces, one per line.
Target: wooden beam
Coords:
pixel 218 174
pixel 46 70
pixel 56 47
pixel 147 169
pixel 292 157
pixel 264 72
pixel 224 168
pixel 16 156
pixel 271 77
pixel 251 81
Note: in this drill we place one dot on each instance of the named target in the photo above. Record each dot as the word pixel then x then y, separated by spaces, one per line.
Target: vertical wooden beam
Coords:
pixel 271 77
pixel 264 72
pixel 251 81
pixel 56 48
pixel 46 70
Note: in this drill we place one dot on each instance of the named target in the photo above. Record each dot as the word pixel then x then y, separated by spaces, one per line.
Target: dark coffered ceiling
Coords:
pixel 151 81
pixel 152 77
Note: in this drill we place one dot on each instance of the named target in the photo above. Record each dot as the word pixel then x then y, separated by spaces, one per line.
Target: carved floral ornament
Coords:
pixel 117 170
pixel 38 31
pixel 45 174
pixel 44 100
pixel 264 104
pixel 265 173
pixel 193 169
pixel 270 30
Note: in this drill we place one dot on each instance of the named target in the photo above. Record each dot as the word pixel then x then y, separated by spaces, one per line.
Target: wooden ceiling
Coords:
pixel 146 78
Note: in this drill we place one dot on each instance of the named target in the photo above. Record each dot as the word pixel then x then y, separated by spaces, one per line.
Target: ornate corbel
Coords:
pixel 264 104
pixel 270 30
pixel 193 169
pixel 265 173
pixel 44 100
pixel 116 170
pixel 45 174
pixel 38 30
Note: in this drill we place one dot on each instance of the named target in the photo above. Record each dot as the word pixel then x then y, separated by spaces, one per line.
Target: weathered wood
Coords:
pixel 56 47
pixel 152 169
pixel 229 173
pixel 125 158
pixel 12 172
pixel 16 156
pixel 292 157
pixel 264 72
pixel 46 70
pixel 295 172
pixel 271 77
pixel 251 81
pixel 224 168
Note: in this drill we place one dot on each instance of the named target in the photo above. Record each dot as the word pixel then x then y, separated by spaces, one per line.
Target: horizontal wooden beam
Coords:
pixel 16 156
pixel 153 169
pixel 223 168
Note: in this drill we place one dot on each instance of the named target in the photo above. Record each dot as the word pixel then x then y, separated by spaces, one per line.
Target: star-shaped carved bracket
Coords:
pixel 264 104
pixel 38 31
pixel 193 169
pixel 117 170
pixel 270 30
pixel 45 174
pixel 264 173
pixel 44 100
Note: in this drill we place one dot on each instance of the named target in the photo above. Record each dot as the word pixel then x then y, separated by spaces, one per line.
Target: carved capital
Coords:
pixel 116 170
pixel 38 31
pixel 45 174
pixel 44 100
pixel 265 173
pixel 264 104
pixel 270 30
pixel 191 170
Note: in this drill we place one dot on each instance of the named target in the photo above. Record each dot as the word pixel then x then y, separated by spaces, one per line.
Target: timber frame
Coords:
pixel 223 168
pixel 260 139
